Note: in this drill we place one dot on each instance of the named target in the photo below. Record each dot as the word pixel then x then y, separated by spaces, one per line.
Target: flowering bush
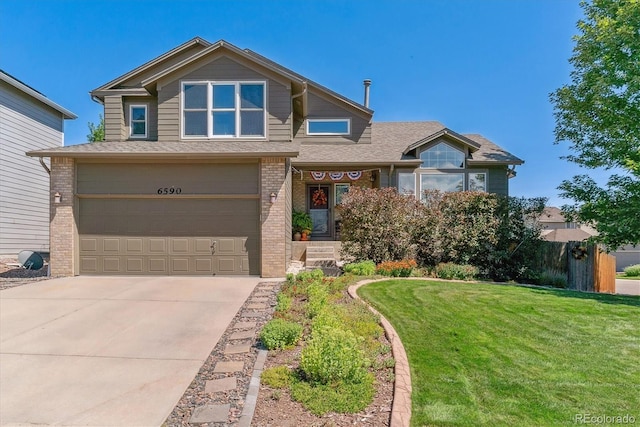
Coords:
pixel 396 268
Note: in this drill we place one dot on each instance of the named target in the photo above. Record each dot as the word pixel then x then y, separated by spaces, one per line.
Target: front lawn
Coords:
pixel 483 354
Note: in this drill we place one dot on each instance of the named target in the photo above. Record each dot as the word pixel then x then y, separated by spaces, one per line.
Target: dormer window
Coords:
pixel 442 156
pixel 328 127
pixel 223 109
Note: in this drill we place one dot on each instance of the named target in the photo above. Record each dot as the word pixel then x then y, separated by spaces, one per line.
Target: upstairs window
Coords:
pixel 328 126
pixel 223 109
pixel 442 156
pixel 138 121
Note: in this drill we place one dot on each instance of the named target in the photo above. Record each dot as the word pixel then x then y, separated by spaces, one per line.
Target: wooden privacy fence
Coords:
pixel 587 266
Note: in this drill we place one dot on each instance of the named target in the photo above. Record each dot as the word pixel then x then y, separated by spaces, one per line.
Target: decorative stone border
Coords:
pixel 401 408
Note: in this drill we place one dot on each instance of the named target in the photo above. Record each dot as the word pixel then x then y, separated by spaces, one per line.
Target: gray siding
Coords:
pixel 497 180
pixel 114 125
pixel 152 116
pixel 321 108
pixel 224 68
pixel 25 124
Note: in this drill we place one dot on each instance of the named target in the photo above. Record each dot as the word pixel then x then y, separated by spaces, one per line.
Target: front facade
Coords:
pixel 208 149
pixel 28 121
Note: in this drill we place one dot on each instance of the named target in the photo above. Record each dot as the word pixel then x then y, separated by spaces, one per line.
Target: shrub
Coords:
pixel 396 268
pixel 632 270
pixel 312 275
pixel 318 296
pixel 279 333
pixel 283 303
pixel 554 278
pixel 377 224
pixel 450 270
pixel 277 377
pixel 362 268
pixel 333 355
pixel 340 397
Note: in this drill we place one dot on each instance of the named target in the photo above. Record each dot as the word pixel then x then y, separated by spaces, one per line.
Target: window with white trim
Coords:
pixel 445 182
pixel 328 127
pixel 442 156
pixel 224 109
pixel 138 121
pixel 407 184
pixel 477 182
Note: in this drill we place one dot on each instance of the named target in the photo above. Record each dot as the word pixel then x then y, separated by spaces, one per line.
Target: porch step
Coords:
pixel 320 256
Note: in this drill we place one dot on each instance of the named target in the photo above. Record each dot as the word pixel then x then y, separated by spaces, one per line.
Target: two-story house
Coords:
pixel 28 121
pixel 208 149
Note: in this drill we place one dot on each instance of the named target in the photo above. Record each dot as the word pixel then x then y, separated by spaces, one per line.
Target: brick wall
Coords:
pixel 62 228
pixel 275 235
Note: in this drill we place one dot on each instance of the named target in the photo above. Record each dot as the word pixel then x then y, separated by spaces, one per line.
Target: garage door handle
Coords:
pixel 213 248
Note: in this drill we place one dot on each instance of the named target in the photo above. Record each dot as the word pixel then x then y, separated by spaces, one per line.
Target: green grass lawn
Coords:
pixel 483 354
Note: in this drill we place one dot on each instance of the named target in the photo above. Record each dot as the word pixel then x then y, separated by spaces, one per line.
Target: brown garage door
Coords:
pixel 196 232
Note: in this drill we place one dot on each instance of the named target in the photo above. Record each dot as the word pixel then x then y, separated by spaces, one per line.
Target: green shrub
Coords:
pixel 283 303
pixel 554 278
pixel 312 275
pixel 340 397
pixel 277 377
pixel 318 296
pixel 279 333
pixel 396 268
pixel 632 270
pixel 333 355
pixel 362 268
pixel 449 270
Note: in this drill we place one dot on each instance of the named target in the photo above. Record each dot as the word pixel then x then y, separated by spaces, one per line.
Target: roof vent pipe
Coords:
pixel 367 83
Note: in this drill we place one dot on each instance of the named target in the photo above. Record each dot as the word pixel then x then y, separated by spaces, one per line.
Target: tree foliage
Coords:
pixel 96 132
pixel 598 114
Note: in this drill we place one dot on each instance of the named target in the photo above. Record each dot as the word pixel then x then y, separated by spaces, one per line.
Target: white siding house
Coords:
pixel 28 121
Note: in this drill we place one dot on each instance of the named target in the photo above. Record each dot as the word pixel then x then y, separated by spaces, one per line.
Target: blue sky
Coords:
pixel 477 66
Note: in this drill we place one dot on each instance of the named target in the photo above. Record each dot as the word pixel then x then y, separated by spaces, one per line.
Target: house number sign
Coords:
pixel 169 190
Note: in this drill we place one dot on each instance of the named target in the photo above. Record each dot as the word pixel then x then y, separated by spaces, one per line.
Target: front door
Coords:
pixel 320 210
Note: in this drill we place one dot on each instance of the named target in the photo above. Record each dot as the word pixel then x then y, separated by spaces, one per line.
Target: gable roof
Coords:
pixel 443 132
pixel 8 78
pixel 155 61
pixel 389 142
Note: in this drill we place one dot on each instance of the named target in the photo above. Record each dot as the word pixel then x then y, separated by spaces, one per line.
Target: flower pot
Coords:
pixel 297 236
pixel 304 236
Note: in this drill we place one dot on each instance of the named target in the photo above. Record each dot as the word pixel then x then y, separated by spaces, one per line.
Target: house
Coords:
pixel 28 121
pixel 208 149
pixel 556 229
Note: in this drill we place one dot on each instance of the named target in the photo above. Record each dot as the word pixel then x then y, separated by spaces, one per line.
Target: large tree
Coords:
pixel 598 114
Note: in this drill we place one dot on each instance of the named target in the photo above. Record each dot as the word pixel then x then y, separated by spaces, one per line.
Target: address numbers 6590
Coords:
pixel 169 190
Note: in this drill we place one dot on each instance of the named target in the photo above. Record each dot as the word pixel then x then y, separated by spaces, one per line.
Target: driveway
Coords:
pixel 98 351
pixel 628 286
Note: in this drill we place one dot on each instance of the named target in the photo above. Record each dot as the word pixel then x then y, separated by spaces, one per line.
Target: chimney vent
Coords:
pixel 367 83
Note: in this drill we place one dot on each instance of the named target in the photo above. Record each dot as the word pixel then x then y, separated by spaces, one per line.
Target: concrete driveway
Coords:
pixel 98 351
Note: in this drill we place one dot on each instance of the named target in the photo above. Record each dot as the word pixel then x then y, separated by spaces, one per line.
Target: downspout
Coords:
pixel 44 165
pixel 297 95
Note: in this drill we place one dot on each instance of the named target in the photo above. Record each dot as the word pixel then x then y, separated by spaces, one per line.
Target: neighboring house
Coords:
pixel 556 229
pixel 28 121
pixel 209 147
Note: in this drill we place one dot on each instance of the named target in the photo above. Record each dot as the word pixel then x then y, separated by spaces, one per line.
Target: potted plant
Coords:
pixel 301 223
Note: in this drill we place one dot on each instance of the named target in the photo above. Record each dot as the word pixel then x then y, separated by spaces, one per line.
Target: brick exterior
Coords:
pixel 63 230
pixel 274 233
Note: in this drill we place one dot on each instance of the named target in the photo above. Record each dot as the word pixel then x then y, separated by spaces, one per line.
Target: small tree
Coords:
pixel 96 132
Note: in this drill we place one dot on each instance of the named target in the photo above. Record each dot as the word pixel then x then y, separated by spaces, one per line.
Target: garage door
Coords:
pixel 203 224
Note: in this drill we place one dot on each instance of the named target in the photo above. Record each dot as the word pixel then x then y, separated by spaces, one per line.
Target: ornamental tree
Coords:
pixel 598 114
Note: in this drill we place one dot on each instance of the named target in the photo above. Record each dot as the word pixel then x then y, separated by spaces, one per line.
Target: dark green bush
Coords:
pixel 449 270
pixel 279 333
pixel 333 355
pixel 362 268
pixel 557 279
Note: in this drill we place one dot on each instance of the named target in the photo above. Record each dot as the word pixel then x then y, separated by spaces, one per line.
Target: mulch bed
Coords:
pixel 12 276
